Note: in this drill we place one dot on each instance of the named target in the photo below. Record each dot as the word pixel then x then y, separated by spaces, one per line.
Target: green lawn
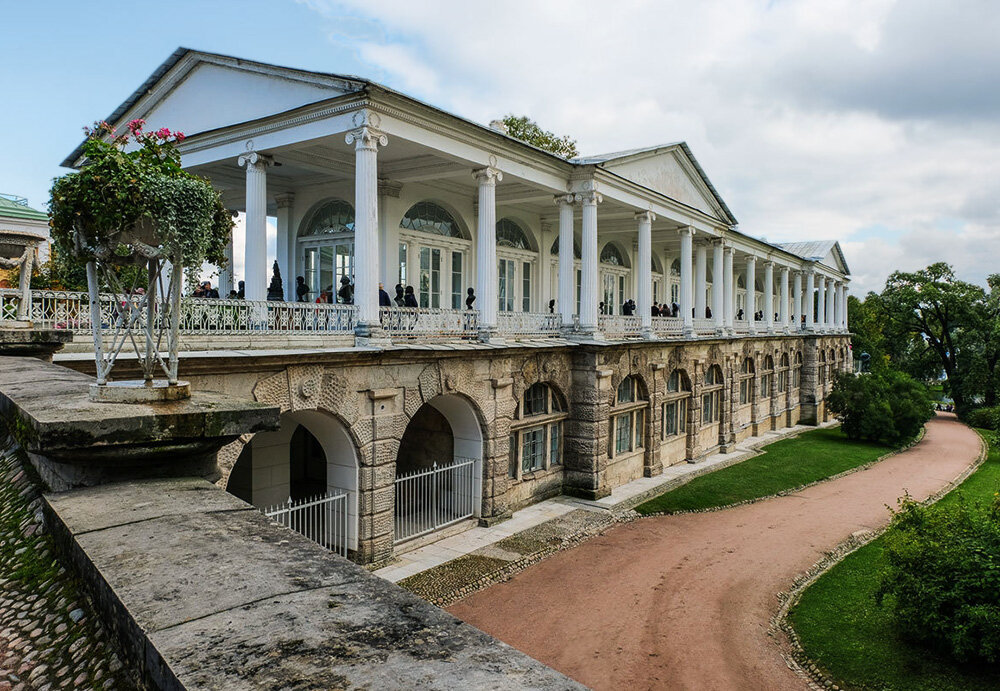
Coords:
pixel 811 456
pixel 853 640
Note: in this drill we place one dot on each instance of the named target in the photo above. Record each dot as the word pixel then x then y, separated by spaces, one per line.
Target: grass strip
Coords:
pixel 853 640
pixel 783 465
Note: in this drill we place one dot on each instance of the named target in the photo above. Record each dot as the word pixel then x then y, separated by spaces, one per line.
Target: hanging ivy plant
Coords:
pixel 133 192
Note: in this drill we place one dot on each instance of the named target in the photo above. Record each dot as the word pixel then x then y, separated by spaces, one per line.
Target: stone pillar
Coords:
pixel 366 139
pixel 567 262
pixel 718 287
pixel 486 251
pixel 847 326
pixel 809 397
pixel 783 310
pixel 730 286
pixel 585 457
pixel 255 272
pixel 285 245
pixel 808 297
pixel 588 258
pixel 750 303
pixel 686 305
pixel 769 296
pixel 797 302
pixel 645 272
pixel 700 280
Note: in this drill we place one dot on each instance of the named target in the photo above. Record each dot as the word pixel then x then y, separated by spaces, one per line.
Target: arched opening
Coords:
pixel 674 415
pixel 439 467
pixel 434 253
pixel 516 259
pixel 614 278
pixel 310 458
pixel 326 249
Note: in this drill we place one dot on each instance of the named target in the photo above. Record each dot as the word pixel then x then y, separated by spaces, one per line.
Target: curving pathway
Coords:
pixel 684 602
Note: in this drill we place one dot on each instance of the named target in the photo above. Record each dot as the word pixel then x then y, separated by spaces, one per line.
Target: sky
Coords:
pixel 872 122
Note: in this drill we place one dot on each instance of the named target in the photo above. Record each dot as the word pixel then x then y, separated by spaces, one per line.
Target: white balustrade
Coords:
pixel 528 323
pixel 429 323
pixel 620 325
pixel 704 327
pixel 668 327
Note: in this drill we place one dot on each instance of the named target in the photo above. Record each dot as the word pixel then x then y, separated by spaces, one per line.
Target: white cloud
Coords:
pixel 814 118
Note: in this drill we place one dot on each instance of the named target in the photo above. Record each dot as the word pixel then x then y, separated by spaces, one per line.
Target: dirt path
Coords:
pixel 684 602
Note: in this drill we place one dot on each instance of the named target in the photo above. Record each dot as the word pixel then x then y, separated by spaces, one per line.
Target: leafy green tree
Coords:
pixel 527 130
pixel 867 334
pixel 930 323
pixel 884 406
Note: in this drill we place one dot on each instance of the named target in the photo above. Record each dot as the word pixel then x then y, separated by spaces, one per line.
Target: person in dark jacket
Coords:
pixel 301 289
pixel 400 300
pixel 409 299
pixel 383 297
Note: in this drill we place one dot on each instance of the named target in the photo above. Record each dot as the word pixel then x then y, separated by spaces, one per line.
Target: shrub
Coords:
pixel 885 406
pixel 942 580
pixel 983 418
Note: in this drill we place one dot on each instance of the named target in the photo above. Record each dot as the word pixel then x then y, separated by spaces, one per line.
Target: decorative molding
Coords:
pixel 588 197
pixel 645 216
pixel 568 199
pixel 252 158
pixel 490 175
pixel 284 200
pixel 389 188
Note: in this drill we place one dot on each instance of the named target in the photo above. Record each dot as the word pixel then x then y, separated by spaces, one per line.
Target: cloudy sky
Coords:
pixel 874 122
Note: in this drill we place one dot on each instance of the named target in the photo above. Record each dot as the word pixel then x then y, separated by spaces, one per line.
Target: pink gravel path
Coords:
pixel 684 602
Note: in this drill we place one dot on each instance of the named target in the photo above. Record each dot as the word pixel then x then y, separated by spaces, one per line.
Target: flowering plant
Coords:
pixel 132 193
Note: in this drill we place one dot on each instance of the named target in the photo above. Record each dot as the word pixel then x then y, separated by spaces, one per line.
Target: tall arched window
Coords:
pixel 326 248
pixel 515 266
pixel 746 381
pixel 783 373
pixel 797 371
pixel 614 275
pixel 629 418
pixel 675 406
pixel 536 438
pixel 431 240
pixel 711 397
pixel 554 271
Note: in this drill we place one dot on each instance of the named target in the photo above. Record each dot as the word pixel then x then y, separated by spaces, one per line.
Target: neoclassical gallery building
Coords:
pixel 440 416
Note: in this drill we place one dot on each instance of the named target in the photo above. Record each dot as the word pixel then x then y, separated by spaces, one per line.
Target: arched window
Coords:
pixel 554 250
pixel 628 426
pixel 746 381
pixel 326 249
pixel 515 266
pixel 428 217
pixel 432 241
pixel 675 406
pixel 611 255
pixel 767 377
pixel 536 436
pixel 711 398
pixel 335 216
pixel 783 373
pixel 797 371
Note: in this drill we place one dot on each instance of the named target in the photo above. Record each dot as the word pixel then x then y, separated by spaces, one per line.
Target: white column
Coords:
pixel 821 303
pixel 366 140
pixel 645 273
pixel 700 280
pixel 808 297
pixel 686 305
pixel 718 287
pixel 285 244
pixel 486 251
pixel 226 273
pixel 255 257
pixel 846 326
pixel 730 287
pixel 769 296
pixel 830 294
pixel 783 308
pixel 588 261
pixel 797 303
pixel 388 236
pixel 750 301
pixel 567 283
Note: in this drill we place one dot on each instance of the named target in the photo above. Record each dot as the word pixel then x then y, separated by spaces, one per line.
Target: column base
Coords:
pixel 490 335
pixel 587 334
pixel 370 336
pixel 646 333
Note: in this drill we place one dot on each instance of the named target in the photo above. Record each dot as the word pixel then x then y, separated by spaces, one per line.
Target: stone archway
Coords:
pixel 311 453
pixel 439 467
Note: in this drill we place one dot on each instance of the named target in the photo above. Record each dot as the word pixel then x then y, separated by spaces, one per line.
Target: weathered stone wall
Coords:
pixel 375 395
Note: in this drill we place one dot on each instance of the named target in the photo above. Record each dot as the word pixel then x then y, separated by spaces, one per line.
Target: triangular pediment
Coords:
pixel 670 170
pixel 195 92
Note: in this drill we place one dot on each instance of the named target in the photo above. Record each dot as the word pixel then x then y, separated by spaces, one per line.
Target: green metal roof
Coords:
pixel 17 207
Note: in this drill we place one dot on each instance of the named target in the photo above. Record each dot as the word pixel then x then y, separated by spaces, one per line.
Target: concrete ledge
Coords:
pixel 203 592
pixel 74 441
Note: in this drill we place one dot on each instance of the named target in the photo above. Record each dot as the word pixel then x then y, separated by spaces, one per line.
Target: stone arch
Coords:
pixel 266 459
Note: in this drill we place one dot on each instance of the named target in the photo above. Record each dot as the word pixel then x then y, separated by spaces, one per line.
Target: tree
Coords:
pixel 931 319
pixel 527 130
pixel 884 406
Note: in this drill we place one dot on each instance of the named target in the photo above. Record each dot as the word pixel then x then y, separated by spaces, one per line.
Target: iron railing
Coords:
pixel 433 498
pixel 322 519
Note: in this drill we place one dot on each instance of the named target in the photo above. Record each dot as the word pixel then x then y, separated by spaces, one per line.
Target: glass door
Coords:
pixel 430 277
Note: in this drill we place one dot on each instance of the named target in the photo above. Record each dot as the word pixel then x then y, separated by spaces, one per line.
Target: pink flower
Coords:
pixel 136 125
pixel 163 133
pixel 179 136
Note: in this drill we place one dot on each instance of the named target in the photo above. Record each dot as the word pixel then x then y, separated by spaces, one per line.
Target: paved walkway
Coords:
pixel 626 496
pixel 684 602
